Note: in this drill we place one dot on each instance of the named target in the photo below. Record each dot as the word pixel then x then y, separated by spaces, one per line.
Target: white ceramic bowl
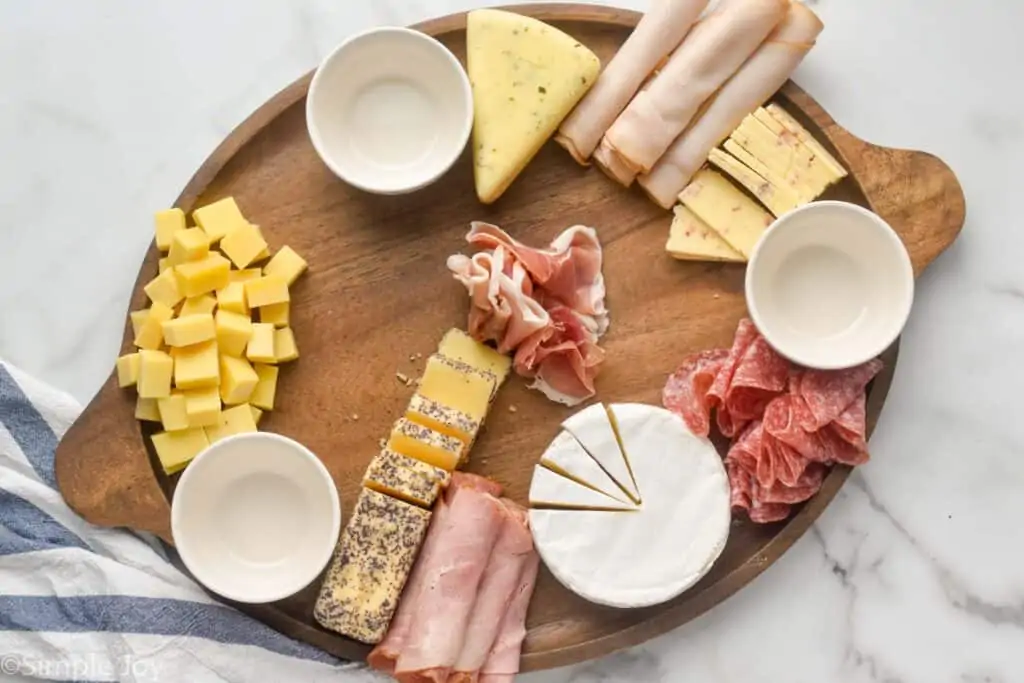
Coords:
pixel 830 285
pixel 390 110
pixel 255 517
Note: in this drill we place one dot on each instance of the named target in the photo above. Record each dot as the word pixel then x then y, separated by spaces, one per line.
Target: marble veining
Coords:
pixel 914 574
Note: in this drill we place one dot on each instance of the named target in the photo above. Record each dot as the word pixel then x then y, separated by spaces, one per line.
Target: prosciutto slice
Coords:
pixel 659 32
pixel 510 555
pixel 503 660
pixel 760 76
pixel 444 601
pixel 712 52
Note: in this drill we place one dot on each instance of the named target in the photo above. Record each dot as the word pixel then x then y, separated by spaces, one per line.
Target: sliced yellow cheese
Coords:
pixel 776 199
pixel 784 160
pixel 776 179
pixel 726 210
pixel 370 567
pixel 777 113
pixel 526 77
pixel 426 444
pixel 690 239
pixel 458 386
pixel 177 449
pixel 441 418
pixel 408 479
pixel 458 345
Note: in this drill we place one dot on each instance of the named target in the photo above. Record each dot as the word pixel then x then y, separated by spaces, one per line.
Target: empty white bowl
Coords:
pixel 390 110
pixel 830 285
pixel 255 517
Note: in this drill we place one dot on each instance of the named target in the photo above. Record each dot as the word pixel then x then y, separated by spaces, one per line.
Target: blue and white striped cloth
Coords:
pixel 82 603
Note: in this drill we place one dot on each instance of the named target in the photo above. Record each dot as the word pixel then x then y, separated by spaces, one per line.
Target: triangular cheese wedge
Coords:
pixel 690 239
pixel 566 457
pixel 733 215
pixel 552 490
pixel 778 200
pixel 526 76
pixel 593 429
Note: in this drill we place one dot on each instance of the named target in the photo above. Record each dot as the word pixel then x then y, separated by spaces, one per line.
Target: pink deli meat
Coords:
pixel 686 391
pixel 503 660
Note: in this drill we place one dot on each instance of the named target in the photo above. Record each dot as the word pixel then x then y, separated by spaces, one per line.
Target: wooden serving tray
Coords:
pixel 378 293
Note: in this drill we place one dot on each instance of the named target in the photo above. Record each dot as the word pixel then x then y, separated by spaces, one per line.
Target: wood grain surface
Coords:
pixel 378 292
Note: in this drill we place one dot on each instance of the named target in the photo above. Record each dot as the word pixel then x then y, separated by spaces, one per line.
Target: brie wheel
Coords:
pixel 663 547
pixel 593 429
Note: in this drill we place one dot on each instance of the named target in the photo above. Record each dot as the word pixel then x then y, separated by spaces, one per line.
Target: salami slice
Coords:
pixel 766 513
pixel 746 450
pixel 829 393
pixel 851 425
pixel 740 486
pixel 728 425
pixel 746 333
pixel 780 420
pixel 761 375
pixel 685 392
pixel 840 450
pixel 780 493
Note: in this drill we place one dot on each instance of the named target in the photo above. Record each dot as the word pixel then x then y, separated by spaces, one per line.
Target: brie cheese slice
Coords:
pixel 552 490
pixel 566 457
pixel 663 548
pixel 592 427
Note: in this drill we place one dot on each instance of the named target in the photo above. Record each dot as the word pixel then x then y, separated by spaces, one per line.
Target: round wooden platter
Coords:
pixel 378 296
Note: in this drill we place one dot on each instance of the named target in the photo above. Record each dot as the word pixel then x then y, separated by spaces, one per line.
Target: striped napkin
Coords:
pixel 82 603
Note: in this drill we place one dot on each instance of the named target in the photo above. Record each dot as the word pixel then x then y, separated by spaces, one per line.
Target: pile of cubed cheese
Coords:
pixel 217 327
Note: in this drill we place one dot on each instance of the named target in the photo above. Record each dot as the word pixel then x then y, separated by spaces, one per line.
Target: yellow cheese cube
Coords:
pixel 168 222
pixel 205 275
pixel 458 345
pixel 191 244
pixel 236 420
pixel 138 318
pixel 233 332
pixel 405 478
pixel 245 275
pixel 155 371
pixel 257 414
pixel 219 218
pixel 202 406
pixel 127 370
pixel 441 418
pixel 284 345
pixel 172 412
pixel 426 445
pixel 277 315
pixel 177 449
pixel 242 245
pixel 265 254
pixel 196 367
pixel 232 298
pixel 189 330
pixel 164 289
pixel 198 305
pixel 146 409
pixel 286 264
pixel 263 396
pixel 237 380
pixel 261 344
pixel 150 334
pixel 458 386
pixel 163 264
pixel 267 290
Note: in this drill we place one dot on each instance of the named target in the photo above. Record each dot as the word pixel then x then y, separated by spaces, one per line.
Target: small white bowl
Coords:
pixel 390 110
pixel 830 285
pixel 255 517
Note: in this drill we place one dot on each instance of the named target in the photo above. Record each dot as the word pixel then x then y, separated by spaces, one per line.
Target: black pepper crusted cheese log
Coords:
pixel 370 567
pixel 408 479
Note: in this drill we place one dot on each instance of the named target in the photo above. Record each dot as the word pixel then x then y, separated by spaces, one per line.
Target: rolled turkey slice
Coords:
pixel 510 555
pixel 759 77
pixel 659 32
pixel 712 52
pixel 445 600
pixel 503 661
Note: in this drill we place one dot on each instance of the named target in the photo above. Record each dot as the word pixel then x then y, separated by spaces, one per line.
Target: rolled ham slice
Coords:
pixel 503 661
pixel 759 77
pixel 512 552
pixel 711 53
pixel 659 32
pixel 444 601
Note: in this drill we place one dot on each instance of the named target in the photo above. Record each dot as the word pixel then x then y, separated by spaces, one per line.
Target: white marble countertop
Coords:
pixel 915 574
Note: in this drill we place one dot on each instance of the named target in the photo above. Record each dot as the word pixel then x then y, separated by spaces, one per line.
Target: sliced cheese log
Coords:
pixel 660 30
pixel 690 239
pixel 526 78
pixel 711 53
pixel 551 490
pixel 567 457
pixel 729 212
pixel 776 199
pixel 624 560
pixel 759 77
pixel 593 429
